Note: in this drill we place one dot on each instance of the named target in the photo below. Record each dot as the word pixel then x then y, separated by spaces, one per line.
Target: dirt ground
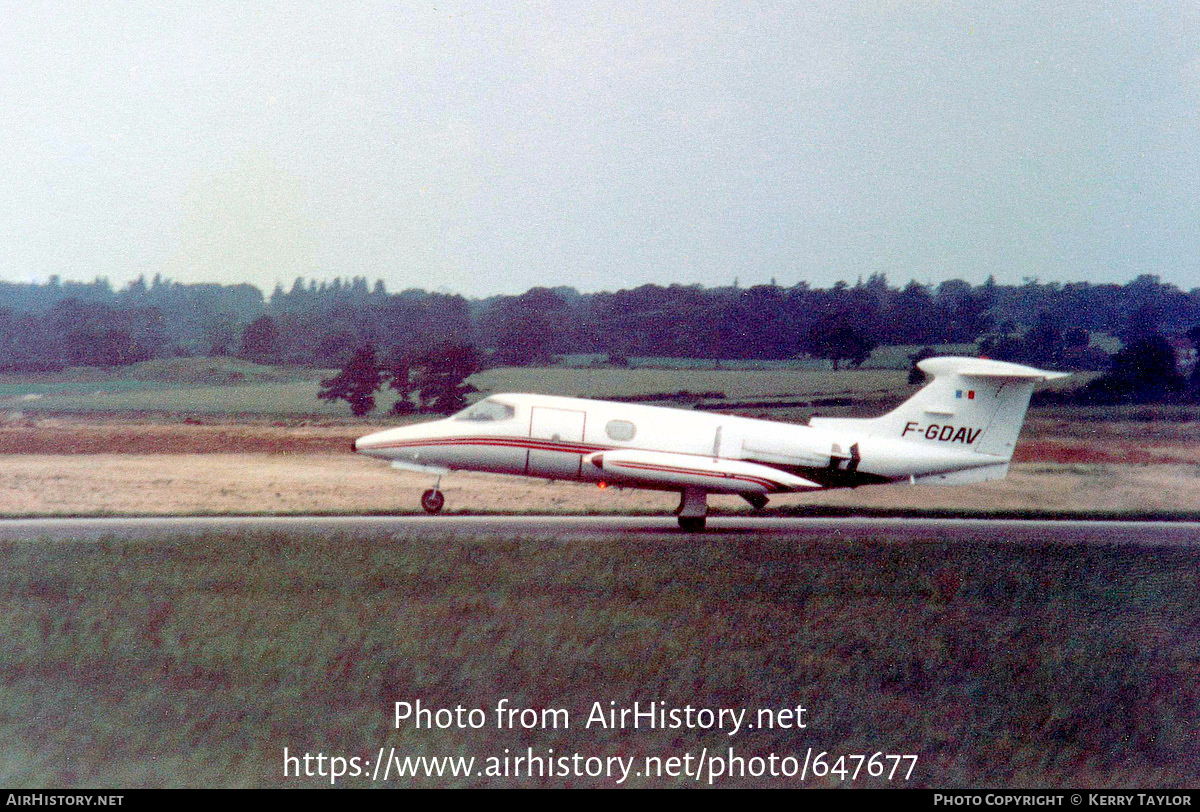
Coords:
pixel 77 435
pixel 76 466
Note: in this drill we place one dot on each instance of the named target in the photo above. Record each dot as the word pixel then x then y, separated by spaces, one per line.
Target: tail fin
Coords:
pixel 971 403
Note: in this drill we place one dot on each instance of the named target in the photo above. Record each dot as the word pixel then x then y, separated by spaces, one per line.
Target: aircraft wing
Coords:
pixel 694 471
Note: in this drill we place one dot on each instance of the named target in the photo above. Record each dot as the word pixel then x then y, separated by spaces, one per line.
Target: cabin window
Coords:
pixel 620 430
pixel 486 411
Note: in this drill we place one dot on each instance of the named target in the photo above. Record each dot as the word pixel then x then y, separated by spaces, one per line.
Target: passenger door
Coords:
pixel 560 432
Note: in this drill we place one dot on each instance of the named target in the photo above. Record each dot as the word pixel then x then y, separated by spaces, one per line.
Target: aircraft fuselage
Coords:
pixel 960 428
pixel 559 438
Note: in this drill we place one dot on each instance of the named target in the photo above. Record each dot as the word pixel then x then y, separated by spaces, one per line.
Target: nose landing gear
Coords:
pixel 433 500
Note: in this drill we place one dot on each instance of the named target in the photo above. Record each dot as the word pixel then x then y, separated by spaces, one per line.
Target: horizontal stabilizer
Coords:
pixel 986 368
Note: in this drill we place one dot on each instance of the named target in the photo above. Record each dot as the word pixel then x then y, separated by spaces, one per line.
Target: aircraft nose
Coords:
pixel 370 443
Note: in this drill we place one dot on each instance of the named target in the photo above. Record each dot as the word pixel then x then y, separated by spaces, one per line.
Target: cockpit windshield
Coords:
pixel 487 410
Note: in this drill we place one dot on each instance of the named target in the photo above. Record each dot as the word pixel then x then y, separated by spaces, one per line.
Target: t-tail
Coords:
pixel 971 404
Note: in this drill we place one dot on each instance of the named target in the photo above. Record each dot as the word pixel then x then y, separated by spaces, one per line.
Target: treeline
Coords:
pixel 54 325
pixel 48 326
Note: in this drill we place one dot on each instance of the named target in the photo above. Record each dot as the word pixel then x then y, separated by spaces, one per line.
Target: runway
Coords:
pixel 1015 531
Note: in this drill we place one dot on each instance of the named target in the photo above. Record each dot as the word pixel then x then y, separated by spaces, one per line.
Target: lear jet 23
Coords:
pixel 959 428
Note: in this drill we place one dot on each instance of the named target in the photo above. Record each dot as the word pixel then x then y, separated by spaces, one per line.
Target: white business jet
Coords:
pixel 959 428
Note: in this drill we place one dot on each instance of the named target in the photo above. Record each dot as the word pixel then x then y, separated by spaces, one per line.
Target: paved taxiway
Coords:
pixel 848 528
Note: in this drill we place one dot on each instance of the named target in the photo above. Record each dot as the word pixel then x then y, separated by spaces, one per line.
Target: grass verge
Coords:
pixel 195 660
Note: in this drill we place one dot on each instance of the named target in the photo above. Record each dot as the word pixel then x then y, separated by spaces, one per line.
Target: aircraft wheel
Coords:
pixel 692 524
pixel 432 501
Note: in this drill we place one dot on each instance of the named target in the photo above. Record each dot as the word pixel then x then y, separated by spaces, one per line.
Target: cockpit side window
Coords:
pixel 486 411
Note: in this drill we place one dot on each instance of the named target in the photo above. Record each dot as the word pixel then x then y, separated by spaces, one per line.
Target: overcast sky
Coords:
pixel 489 147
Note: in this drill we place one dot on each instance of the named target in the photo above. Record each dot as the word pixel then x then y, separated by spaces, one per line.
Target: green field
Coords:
pixel 205 386
pixel 209 387
pixel 196 660
pixel 259 399
pixel 888 356
pixel 227 386
pixel 733 383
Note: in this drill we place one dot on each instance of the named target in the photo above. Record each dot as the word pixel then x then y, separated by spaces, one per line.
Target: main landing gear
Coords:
pixel 756 500
pixel 433 500
pixel 693 508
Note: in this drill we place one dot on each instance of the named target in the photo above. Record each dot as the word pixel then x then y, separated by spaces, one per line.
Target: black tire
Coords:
pixel 692 524
pixel 432 501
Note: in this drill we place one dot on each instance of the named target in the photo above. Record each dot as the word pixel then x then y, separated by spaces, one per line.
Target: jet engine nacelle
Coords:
pixel 694 471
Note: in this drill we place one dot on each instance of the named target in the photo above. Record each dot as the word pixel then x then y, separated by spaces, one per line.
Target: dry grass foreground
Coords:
pixel 78 466
pixel 165 484
pixel 195 660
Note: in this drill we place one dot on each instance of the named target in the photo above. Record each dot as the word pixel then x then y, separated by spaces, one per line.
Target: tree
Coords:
pixel 333 346
pixel 960 314
pixel 839 341
pixel 524 329
pixel 356 383
pixel 916 375
pixel 399 374
pixel 260 341
pixel 1193 335
pixel 95 334
pixel 218 334
pixel 26 344
pixel 910 317
pixel 1143 372
pixel 1044 343
pixel 441 380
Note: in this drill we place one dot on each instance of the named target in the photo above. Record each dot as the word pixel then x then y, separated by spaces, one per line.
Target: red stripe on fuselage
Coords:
pixel 572 448
pixel 503 442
